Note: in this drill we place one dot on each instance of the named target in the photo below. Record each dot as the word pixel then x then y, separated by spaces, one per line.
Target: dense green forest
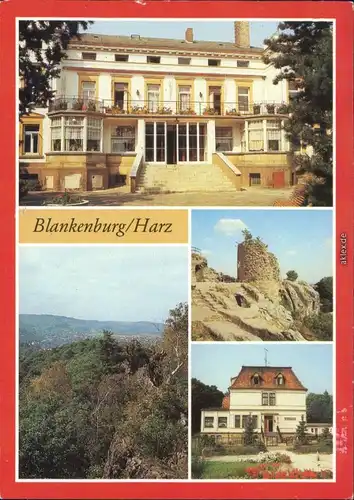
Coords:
pixel 47 330
pixel 101 408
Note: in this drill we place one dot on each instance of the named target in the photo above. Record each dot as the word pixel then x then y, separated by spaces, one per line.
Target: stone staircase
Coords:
pixel 182 178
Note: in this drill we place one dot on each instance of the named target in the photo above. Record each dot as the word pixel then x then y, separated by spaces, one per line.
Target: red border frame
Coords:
pixel 342 12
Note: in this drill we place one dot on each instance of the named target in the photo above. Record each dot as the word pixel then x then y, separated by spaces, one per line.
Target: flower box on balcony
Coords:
pixel 282 110
pixel 60 105
pixel 188 111
pixel 116 110
pixel 78 105
pixel 138 110
pixel 256 109
pixel 270 109
pixel 91 106
pixel 210 111
pixel 233 112
pixel 164 111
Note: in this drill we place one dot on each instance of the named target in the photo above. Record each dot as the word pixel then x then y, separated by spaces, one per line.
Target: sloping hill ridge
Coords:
pixel 54 330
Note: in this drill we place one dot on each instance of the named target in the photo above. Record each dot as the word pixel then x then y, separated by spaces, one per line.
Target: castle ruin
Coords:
pixel 255 263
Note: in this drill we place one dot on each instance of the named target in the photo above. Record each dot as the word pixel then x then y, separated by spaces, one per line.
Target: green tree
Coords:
pixel 292 275
pixel 175 341
pixel 301 434
pixel 321 325
pixel 319 408
pixel 247 235
pixel 42 46
pixel 203 396
pixel 325 289
pixel 249 433
pixel 303 53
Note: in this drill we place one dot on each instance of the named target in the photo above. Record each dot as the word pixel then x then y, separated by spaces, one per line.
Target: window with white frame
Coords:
pixel 255 136
pixel 273 135
pixel 88 91
pixel 265 398
pixel 208 422
pixel 123 139
pixel 243 98
pixel 223 139
pixel 55 128
pixel 94 126
pixel 268 399
pixel 222 422
pixel 31 139
pixel 74 133
pixel 184 97
pixel 153 96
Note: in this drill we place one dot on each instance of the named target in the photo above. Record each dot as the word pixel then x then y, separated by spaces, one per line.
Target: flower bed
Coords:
pixel 66 199
pixel 273 471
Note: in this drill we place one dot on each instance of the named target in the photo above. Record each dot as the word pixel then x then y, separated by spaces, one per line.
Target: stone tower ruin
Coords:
pixel 255 263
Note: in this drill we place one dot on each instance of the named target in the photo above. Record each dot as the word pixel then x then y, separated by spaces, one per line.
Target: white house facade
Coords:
pixel 273 397
pixel 127 109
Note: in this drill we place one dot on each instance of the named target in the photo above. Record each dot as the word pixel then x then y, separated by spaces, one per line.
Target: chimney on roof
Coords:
pixel 242 34
pixel 189 35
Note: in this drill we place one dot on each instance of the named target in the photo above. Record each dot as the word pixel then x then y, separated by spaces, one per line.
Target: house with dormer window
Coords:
pixel 173 114
pixel 273 397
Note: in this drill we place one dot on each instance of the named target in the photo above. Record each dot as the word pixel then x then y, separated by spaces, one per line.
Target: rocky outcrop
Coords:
pixel 267 309
pixel 201 271
pixel 299 298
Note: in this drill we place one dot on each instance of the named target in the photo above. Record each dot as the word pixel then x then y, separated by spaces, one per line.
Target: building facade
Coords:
pixel 273 397
pixel 126 109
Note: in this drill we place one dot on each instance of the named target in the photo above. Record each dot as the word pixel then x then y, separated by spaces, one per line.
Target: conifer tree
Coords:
pixel 249 431
pixel 303 53
pixel 301 435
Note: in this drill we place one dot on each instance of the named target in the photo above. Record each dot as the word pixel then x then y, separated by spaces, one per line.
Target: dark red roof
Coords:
pixel 267 375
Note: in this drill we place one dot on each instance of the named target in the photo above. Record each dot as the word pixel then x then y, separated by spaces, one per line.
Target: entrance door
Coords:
pixel 268 423
pixel 171 144
pixel 279 179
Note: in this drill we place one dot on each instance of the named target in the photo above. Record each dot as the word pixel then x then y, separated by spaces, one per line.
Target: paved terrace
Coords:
pixel 253 197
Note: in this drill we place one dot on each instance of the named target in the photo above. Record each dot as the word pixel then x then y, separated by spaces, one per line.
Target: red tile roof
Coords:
pixel 267 376
pixel 225 405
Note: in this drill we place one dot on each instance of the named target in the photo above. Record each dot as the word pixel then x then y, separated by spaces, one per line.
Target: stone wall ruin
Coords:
pixel 255 263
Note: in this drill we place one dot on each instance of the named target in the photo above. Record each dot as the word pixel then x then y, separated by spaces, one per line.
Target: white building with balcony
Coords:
pixel 162 114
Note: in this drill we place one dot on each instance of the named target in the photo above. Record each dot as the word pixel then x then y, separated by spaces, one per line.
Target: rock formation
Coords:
pixel 259 306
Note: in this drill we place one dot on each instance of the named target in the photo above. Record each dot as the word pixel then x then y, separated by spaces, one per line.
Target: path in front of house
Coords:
pixel 301 461
pixel 256 197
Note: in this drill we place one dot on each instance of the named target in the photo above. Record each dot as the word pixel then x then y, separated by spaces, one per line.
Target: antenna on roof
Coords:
pixel 265 357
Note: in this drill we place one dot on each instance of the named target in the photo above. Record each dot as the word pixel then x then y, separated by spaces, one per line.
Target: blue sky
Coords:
pixel 203 30
pixel 215 364
pixel 117 283
pixel 300 239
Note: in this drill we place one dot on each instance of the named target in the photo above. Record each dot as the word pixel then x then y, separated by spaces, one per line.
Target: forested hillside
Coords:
pixel 101 408
pixel 47 331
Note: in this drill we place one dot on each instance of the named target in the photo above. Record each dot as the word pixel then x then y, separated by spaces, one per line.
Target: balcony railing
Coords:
pixel 150 107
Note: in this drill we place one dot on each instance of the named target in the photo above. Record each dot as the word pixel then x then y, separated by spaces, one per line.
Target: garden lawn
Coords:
pixel 225 470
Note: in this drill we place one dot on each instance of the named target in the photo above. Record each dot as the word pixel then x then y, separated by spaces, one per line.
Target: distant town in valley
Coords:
pixel 46 331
